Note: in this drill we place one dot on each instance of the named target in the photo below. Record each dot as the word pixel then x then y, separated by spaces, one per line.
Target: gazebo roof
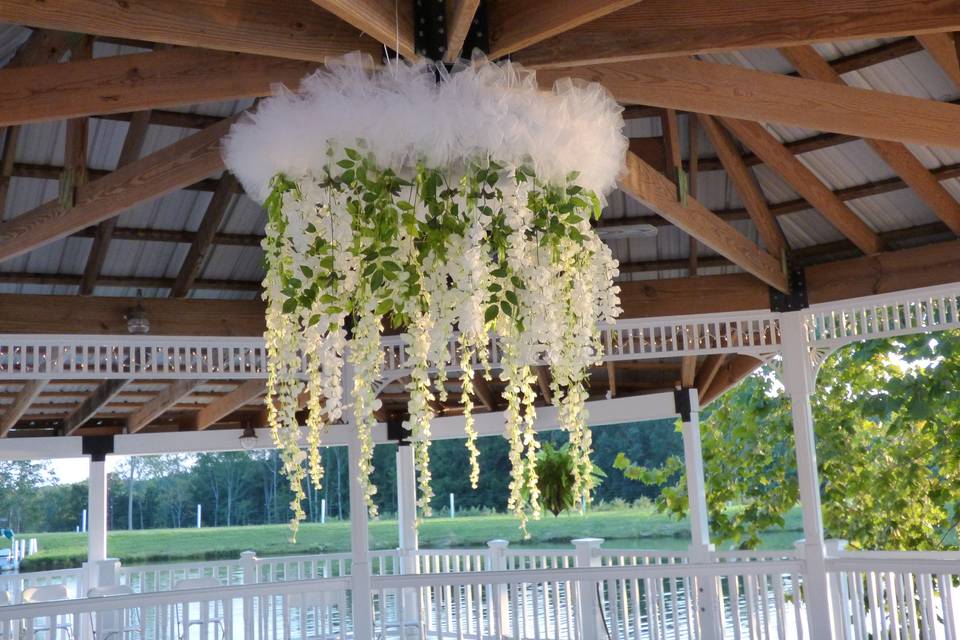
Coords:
pixel 158 245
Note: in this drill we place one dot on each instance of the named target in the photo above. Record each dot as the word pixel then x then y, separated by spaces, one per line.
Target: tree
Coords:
pixel 887 417
pixel 20 481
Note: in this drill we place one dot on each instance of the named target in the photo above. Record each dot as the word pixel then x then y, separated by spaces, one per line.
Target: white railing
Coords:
pixel 882 594
pixel 15 583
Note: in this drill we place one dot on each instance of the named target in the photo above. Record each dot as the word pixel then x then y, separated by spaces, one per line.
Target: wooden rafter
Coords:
pixel 161 403
pixel 166 170
pixel 297 30
pixel 736 92
pixel 483 392
pixel 93 403
pixel 665 28
pixel 612 378
pixel 517 24
pixel 651 188
pixel 746 186
pixel 693 172
pixel 944 48
pixel 925 185
pixel 23 400
pixel 224 406
pixel 203 241
pixel 707 372
pixel 460 15
pixel 688 371
pixel 804 182
pixel 734 369
pixel 75 144
pixel 139 81
pixel 389 22
pixel 543 381
pixel 130 152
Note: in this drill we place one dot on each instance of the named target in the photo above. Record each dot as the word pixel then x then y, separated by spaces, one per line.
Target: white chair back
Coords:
pixel 105 592
pixel 5 598
pixel 47 593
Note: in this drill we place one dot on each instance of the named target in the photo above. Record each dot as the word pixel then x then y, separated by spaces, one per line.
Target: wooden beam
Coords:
pixel 11 136
pixel 804 182
pixel 175 236
pixel 612 378
pixel 102 395
pixel 137 282
pixel 75 144
pixel 297 30
pixel 746 186
pixel 693 172
pixel 517 24
pixel 688 371
pixel 810 64
pixel 543 381
pixel 14 411
pixel 212 219
pixel 654 190
pixel 734 369
pixel 130 152
pixel 106 315
pixel 944 48
pixel 224 406
pixel 735 92
pixel 460 15
pixel 664 28
pixel 167 170
pixel 389 22
pixel 172 77
pixel 707 372
pixel 174 393
pixel 482 390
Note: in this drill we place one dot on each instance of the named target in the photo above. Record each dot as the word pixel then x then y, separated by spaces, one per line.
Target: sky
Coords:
pixel 70 470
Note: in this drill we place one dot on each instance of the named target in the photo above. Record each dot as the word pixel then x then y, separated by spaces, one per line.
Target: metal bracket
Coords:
pixel 396 432
pixel 796 300
pixel 430 29
pixel 681 403
pixel 97 447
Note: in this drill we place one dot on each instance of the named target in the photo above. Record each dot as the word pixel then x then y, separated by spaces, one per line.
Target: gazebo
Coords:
pixel 790 187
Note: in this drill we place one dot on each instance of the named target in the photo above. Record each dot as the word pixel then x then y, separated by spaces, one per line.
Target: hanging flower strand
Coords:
pixel 459 211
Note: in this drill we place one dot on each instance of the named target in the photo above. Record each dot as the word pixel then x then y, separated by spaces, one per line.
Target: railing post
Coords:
pixel 799 378
pixel 360 573
pixel 248 567
pixel 589 607
pixel 407 523
pixel 500 601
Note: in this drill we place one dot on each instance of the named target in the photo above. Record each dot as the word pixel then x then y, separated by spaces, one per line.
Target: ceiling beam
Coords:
pixel 944 48
pixel 482 390
pixel 175 236
pixel 707 372
pixel 746 186
pixel 654 190
pixel 898 157
pixel 736 92
pixel 159 173
pixel 734 369
pixel 106 315
pixel 688 371
pixel 460 15
pixel 389 22
pixel 130 152
pixel 101 396
pixel 14 411
pixel 203 241
pixel 225 405
pixel 166 78
pixel 805 183
pixel 297 30
pixel 517 24
pixel 693 173
pixel 160 404
pixel 137 282
pixel 665 28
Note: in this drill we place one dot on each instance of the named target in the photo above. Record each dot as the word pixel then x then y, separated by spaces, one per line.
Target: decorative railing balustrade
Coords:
pixel 637 599
pixel 884 594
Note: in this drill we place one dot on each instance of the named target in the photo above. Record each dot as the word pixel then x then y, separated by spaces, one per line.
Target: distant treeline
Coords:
pixel 243 488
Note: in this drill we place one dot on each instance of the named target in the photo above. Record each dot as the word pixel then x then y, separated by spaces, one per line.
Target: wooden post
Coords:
pixel 798 380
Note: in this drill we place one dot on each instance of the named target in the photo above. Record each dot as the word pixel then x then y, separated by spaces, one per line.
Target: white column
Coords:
pixel 701 551
pixel 96 519
pixel 798 380
pixel 407 524
pixel 359 549
pixel 586 554
pixel 499 620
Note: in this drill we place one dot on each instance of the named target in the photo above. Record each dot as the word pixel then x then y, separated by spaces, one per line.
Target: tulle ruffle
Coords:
pixel 406 116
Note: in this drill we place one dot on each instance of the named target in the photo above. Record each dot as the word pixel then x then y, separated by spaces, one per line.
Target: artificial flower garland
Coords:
pixel 451 231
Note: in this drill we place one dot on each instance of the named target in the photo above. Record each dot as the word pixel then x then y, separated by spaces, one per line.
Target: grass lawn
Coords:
pixel 622 528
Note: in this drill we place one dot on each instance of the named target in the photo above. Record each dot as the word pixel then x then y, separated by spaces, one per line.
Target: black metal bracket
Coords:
pixel 97 447
pixel 430 29
pixel 396 431
pixel 796 300
pixel 681 403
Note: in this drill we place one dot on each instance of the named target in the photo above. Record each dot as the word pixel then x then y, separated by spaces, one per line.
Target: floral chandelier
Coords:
pixel 456 207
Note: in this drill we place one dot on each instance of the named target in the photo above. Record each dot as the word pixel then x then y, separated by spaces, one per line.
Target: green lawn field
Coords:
pixel 622 528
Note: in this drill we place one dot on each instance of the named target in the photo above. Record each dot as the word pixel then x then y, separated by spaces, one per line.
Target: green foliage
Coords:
pixel 887 416
pixel 555 478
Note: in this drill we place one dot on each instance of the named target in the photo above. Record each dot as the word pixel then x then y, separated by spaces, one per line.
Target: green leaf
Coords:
pixel 491 313
pixel 346 164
